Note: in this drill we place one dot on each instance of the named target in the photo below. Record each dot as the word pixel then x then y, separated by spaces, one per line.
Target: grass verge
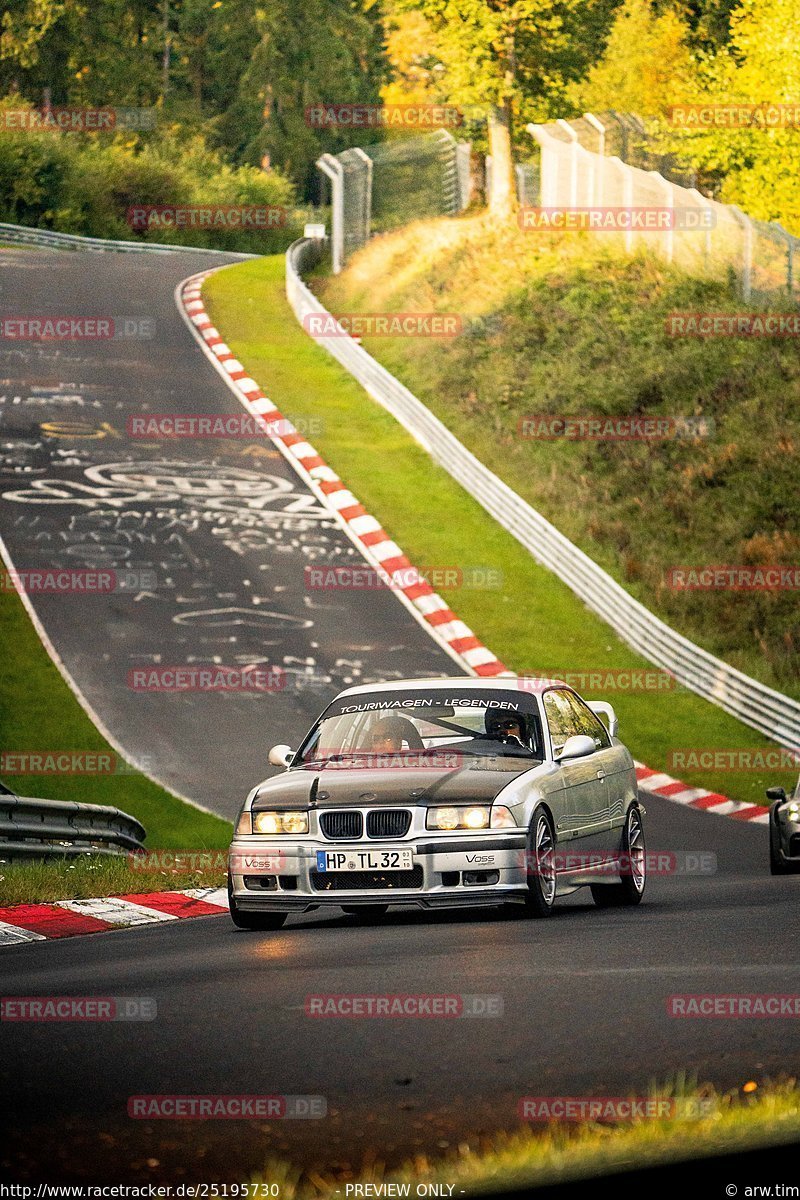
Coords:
pixel 41 881
pixel 529 1158
pixel 532 621
pixel 38 711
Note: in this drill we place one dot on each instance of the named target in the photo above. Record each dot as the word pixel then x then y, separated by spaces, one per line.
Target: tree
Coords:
pixel 646 65
pixel 309 53
pixel 103 54
pixel 501 55
pixel 757 162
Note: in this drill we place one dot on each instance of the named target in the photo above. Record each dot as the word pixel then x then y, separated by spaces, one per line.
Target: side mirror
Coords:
pixel 776 793
pixel 577 746
pixel 281 756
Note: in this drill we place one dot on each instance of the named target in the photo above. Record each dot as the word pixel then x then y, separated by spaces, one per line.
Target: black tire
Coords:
pixel 253 920
pixel 540 867
pixel 777 865
pixel 631 888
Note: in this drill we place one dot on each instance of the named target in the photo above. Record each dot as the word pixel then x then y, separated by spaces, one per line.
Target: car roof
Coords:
pixel 508 683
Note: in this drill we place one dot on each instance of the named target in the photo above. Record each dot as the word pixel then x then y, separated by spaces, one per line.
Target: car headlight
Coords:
pixel 274 823
pixel 793 811
pixel 473 816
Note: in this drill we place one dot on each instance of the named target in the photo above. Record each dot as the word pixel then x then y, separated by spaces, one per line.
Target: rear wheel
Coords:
pixel 631 889
pixel 253 920
pixel 540 865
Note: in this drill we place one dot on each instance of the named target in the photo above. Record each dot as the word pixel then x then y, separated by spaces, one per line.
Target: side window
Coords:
pixel 589 724
pixel 561 718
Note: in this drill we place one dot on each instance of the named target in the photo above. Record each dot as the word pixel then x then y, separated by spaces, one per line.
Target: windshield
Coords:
pixel 419 728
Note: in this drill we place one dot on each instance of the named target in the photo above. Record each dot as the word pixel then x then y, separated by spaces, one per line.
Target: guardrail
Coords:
pixel 31 828
pixel 25 236
pixel 770 712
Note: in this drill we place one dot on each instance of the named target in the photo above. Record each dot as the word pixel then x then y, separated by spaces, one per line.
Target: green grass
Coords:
pixel 530 1158
pixel 39 712
pixel 580 329
pixel 532 622
pixel 41 881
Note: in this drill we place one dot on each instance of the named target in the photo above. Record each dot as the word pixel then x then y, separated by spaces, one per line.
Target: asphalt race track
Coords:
pixel 584 1013
pixel 584 994
pixel 208 538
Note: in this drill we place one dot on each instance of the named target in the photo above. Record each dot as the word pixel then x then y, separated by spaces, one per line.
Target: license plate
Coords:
pixel 365 860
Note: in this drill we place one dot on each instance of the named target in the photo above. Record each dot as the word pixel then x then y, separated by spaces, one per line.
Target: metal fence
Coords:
pixel 607 161
pixel 527 181
pixel 773 714
pixel 386 185
pixel 31 828
pixel 51 239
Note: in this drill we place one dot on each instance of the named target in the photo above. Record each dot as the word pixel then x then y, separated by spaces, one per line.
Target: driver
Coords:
pixel 386 736
pixel 507 728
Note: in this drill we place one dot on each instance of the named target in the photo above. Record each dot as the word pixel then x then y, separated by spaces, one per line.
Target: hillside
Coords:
pixel 565 326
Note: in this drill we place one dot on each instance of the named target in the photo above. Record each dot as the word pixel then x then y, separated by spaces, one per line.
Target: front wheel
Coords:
pixel 253 920
pixel 631 888
pixel 777 864
pixel 540 867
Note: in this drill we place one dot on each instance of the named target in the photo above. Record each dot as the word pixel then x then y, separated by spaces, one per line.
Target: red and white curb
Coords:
pixel 659 784
pixel 363 529
pixel 67 918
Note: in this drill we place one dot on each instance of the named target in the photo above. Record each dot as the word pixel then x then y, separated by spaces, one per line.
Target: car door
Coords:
pixel 611 766
pixel 585 816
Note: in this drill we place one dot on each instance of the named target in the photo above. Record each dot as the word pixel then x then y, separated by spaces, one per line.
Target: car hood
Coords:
pixel 340 787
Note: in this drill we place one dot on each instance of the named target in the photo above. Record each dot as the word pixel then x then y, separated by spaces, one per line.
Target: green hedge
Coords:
pixel 85 183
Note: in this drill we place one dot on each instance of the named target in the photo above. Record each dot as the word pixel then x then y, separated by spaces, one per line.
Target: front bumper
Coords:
pixel 450 870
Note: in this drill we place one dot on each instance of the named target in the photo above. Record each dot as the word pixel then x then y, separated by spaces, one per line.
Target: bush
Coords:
pixel 86 183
